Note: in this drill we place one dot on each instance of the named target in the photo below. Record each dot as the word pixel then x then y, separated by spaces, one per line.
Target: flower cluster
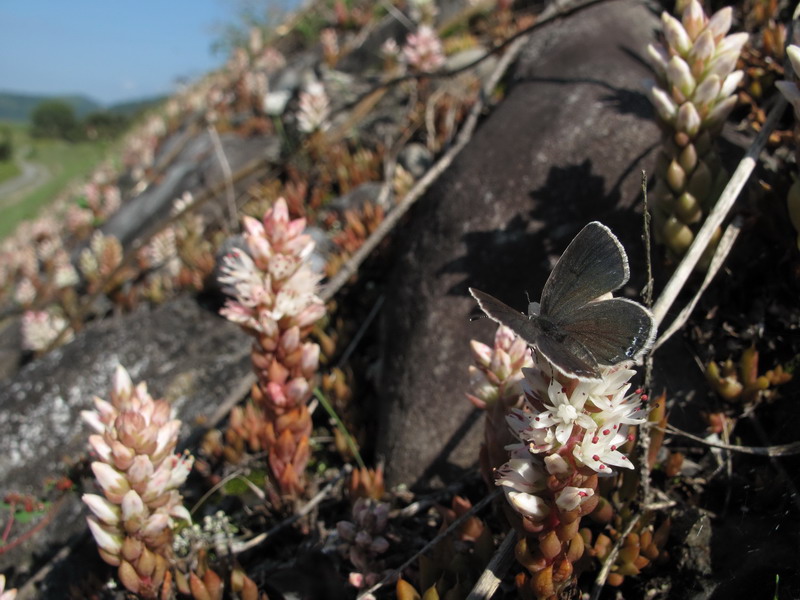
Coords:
pixel 139 473
pixel 497 376
pixel 274 299
pixel 567 433
pixel 694 95
pixel 314 108
pixel 547 439
pixel 496 386
pixel 791 91
pixel 40 328
pixel 423 50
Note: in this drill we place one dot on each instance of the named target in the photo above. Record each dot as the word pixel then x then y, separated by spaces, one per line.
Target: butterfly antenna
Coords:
pixel 528 297
pixel 476 317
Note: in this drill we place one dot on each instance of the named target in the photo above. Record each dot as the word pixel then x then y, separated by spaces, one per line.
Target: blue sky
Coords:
pixel 109 50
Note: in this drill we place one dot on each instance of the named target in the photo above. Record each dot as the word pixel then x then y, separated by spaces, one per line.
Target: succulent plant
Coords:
pixel 139 473
pixel 694 95
pixel 274 299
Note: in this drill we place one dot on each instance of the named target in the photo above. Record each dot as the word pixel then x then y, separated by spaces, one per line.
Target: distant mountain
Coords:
pixel 132 108
pixel 18 107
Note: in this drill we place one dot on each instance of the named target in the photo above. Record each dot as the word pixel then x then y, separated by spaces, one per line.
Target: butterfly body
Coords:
pixel 574 326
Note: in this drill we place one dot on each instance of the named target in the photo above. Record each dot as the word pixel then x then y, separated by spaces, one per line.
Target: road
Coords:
pixel 32 175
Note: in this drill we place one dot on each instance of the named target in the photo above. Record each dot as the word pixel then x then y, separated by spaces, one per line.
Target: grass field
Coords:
pixel 8 170
pixel 64 162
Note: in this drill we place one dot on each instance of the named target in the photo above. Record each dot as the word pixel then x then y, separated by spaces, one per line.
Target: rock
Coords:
pixel 367 55
pixel 565 146
pixel 195 169
pixel 355 199
pixel 41 430
pixel 416 159
pixel 10 346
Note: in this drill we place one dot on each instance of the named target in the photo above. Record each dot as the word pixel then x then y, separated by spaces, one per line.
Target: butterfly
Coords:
pixel 572 327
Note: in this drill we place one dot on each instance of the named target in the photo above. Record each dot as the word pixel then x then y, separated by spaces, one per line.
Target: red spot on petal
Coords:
pixel 602 467
pixel 596 458
pixel 606 431
pixel 644 397
pixel 595 439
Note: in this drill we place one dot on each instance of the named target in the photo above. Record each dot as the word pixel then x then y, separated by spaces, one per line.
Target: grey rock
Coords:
pixel 356 198
pixel 367 55
pixel 195 169
pixel 416 159
pixel 564 147
pixel 185 353
pixel 10 346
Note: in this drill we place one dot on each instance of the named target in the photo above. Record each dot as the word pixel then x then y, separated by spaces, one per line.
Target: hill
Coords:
pixel 17 107
pixel 132 108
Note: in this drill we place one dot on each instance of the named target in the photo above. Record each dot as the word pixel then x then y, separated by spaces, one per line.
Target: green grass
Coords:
pixel 8 170
pixel 66 162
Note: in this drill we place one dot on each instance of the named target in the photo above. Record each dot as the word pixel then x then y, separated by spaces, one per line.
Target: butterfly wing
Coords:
pixel 502 313
pixel 566 353
pixel 568 356
pixel 593 264
pixel 611 330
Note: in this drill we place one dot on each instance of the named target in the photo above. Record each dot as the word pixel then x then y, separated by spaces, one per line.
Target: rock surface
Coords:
pixel 564 147
pixel 41 431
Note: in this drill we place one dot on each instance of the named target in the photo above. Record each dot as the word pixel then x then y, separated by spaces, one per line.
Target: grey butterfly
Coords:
pixel 575 330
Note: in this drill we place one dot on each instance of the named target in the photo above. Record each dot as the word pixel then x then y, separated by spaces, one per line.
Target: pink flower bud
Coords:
pixel 679 75
pixel 663 104
pixel 528 505
pixel 113 483
pixel 100 447
pixel 121 386
pixel 108 539
pixel 688 120
pixel 481 353
pixel 571 498
pixel 155 525
pixel 693 18
pixel 141 469
pixel 297 391
pixel 92 419
pixel 133 507
pixel 729 84
pixel 676 35
pixel 104 510
pixel 720 23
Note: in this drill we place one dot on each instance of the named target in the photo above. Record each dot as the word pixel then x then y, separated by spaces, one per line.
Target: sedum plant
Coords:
pixel 694 94
pixel 791 92
pixel 139 474
pixel 565 434
pixel 275 301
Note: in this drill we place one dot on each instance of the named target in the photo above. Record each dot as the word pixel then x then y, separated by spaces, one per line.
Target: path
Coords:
pixel 33 175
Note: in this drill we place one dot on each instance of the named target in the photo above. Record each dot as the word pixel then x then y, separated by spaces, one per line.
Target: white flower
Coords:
pixel 598 449
pixel 314 108
pixel 571 498
pixel 243 279
pixel 521 479
pixel 521 422
pixel 564 412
